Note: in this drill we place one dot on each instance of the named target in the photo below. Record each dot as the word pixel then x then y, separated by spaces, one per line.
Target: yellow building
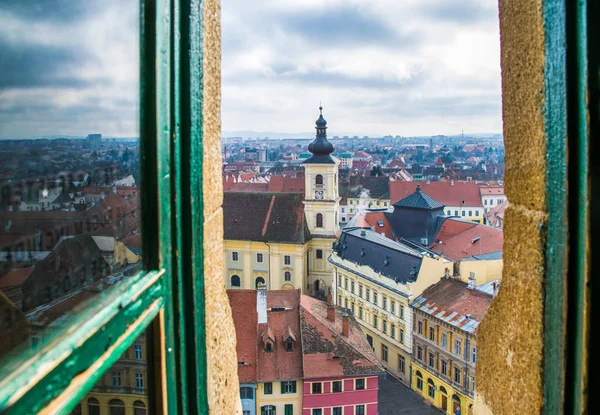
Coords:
pixel 283 240
pixel 376 280
pixel 124 387
pixel 446 317
pixel 283 397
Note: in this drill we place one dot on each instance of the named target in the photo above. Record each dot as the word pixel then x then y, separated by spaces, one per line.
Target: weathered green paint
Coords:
pixel 556 203
pixel 189 157
pixel 579 213
pixel 567 254
pixel 81 344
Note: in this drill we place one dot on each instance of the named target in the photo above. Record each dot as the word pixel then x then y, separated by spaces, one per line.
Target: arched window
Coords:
pixel 235 281
pixel 287 276
pixel 117 407
pixel 443 390
pixel 319 180
pixel 419 381
pixel 93 406
pixel 319 220
pixel 430 388
pixel 259 281
pixel 139 408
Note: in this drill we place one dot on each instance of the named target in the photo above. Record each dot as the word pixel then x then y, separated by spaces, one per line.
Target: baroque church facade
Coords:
pixel 284 240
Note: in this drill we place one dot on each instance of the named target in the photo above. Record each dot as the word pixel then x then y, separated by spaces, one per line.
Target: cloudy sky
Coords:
pixel 407 67
pixel 69 67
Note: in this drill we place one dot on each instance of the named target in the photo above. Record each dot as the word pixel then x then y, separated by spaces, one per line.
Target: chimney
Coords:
pixel 331 313
pixel 261 304
pixel 472 281
pixel 345 329
pixel 329 297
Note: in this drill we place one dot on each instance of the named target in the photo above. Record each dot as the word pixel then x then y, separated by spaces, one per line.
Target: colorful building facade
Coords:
pixel 446 318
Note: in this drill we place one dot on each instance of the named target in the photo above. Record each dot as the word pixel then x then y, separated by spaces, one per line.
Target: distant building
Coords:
pixel 362 161
pixel 447 316
pixel 94 137
pixel 491 196
pixel 461 199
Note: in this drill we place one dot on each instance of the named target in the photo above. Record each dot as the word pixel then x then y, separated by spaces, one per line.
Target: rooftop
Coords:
pixel 451 301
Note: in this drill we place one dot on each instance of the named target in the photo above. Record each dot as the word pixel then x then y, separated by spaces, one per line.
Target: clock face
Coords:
pixel 319 195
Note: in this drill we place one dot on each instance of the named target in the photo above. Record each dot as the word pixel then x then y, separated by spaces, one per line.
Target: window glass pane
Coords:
pixel 123 389
pixel 69 162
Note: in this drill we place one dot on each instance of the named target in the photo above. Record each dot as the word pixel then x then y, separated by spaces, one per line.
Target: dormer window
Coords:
pixel 289 339
pixel 268 339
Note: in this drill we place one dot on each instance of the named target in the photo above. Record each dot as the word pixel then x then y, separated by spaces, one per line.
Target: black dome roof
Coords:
pixel 321 148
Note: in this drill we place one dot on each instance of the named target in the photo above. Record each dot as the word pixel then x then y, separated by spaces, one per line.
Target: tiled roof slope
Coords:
pixel 374 250
pixel 279 364
pixel 15 277
pixel 457 239
pixel 419 200
pixel 450 300
pixel 254 363
pixel 268 217
pixel 446 192
pixel 286 184
pixel 245 318
pixel 378 187
pixel 328 353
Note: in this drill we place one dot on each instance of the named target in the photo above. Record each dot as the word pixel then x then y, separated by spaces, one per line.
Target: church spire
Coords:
pixel 320 147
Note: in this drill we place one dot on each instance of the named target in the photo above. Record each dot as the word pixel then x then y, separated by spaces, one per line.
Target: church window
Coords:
pixel 319 180
pixel 235 281
pixel 287 276
pixel 259 281
pixel 259 257
pixel 287 260
pixel 319 254
pixel 234 256
pixel 319 220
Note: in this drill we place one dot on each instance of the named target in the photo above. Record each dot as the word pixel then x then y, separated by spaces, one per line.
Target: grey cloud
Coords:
pixel 27 65
pixel 462 12
pixel 344 25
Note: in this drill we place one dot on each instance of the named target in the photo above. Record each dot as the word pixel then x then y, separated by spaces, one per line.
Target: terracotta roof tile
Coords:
pixel 451 301
pixel 444 192
pixel 458 239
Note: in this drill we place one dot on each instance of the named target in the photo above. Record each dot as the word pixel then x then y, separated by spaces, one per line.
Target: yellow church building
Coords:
pixel 283 240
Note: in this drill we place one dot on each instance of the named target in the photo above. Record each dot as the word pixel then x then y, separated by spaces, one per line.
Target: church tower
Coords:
pixel 321 199
pixel 321 208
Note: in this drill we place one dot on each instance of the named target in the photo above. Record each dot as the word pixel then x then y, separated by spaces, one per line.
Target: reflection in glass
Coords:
pixel 69 164
pixel 123 389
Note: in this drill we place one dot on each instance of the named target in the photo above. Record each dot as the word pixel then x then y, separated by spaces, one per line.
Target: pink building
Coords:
pixel 362 161
pixel 340 368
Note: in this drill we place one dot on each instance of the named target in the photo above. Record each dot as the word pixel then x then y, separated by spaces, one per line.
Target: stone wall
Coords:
pixel 222 382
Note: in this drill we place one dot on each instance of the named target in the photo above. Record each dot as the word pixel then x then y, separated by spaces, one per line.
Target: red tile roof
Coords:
pixel 446 192
pixel 451 301
pixel 262 366
pixel 375 218
pixel 462 239
pixel 15 277
pixel 286 184
pixel 328 353
pixel 491 190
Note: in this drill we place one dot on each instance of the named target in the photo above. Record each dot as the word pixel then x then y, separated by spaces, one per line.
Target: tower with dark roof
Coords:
pixel 417 217
pixel 321 204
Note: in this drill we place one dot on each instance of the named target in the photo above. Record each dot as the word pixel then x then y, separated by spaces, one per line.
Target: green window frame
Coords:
pixel 288 387
pixel 289 409
pixel 168 297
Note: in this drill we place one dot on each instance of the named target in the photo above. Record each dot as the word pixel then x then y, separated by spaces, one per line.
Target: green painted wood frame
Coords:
pixel 55 378
pixel 571 103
